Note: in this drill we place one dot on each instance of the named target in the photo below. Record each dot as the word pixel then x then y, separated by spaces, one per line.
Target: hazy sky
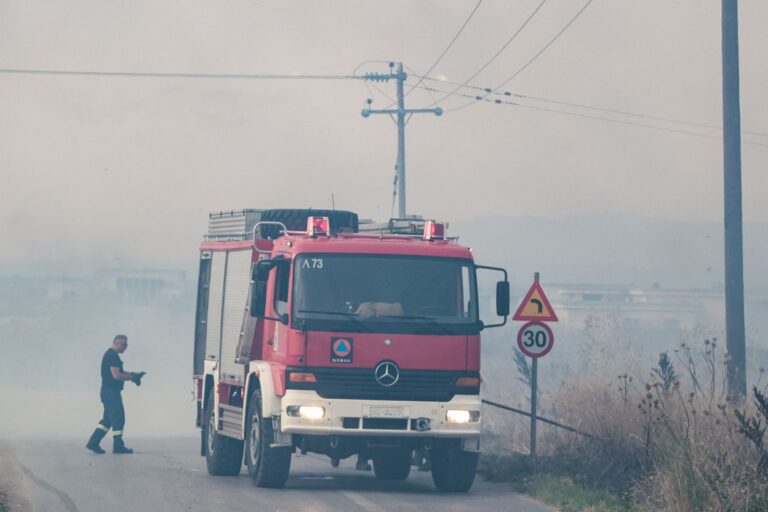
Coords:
pixel 100 168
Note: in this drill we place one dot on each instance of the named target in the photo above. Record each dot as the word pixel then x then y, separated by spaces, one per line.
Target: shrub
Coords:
pixel 673 442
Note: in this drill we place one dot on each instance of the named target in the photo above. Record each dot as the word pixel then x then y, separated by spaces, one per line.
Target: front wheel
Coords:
pixel 453 469
pixel 268 465
pixel 223 455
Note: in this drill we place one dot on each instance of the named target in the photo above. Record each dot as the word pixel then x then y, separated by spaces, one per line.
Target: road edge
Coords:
pixel 14 486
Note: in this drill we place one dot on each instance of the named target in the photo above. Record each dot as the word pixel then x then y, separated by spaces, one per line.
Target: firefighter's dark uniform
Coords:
pixel 114 413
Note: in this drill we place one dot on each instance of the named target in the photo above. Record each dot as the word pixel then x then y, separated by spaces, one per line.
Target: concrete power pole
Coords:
pixel 401 112
pixel 734 255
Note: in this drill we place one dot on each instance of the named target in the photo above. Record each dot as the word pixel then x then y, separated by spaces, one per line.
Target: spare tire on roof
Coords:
pixel 296 220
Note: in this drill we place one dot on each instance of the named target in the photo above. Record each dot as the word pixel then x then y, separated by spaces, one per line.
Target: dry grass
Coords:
pixel 669 440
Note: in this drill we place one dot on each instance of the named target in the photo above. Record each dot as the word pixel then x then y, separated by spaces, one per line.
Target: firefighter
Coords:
pixel 112 379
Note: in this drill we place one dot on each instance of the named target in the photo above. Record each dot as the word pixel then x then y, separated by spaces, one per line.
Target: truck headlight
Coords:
pixel 307 412
pixel 456 416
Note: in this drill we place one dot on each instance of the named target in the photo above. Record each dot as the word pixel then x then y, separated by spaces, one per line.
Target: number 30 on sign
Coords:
pixel 535 339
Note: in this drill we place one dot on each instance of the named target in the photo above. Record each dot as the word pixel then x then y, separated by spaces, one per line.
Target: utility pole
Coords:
pixel 397 73
pixel 734 255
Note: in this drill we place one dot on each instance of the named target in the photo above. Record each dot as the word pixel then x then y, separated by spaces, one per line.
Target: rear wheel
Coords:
pixel 392 464
pixel 453 469
pixel 268 465
pixel 223 455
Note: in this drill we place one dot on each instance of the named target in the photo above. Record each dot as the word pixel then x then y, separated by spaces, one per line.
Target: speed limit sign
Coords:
pixel 535 339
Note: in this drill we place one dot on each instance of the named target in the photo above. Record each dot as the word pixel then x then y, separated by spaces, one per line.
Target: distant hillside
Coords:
pixel 613 249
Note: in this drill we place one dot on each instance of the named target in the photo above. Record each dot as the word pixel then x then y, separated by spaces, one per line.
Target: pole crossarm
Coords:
pixel 401 112
pixel 437 111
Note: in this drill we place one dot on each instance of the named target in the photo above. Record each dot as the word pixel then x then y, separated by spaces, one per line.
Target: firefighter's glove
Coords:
pixel 136 377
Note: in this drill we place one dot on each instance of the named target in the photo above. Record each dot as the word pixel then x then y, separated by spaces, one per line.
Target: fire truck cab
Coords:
pixel 328 340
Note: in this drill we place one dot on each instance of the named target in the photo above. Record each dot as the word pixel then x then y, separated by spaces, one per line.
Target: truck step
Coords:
pixel 231 421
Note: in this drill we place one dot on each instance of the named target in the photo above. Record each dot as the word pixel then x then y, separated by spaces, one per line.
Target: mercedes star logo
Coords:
pixel 387 373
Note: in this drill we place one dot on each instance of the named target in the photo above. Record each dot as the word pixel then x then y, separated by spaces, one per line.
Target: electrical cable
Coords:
pixel 596 118
pixel 225 76
pixel 495 56
pixel 590 107
pixel 409 70
pixel 437 61
pixel 367 82
pixel 524 66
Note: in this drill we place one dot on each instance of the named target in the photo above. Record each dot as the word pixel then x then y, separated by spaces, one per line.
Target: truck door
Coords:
pixel 276 331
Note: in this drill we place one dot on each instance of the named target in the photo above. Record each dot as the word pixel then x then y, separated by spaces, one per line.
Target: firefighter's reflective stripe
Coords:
pixel 117 432
pixel 102 427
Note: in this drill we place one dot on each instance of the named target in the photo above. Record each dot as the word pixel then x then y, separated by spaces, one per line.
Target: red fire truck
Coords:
pixel 315 333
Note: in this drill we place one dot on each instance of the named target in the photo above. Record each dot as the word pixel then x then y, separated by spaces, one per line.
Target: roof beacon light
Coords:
pixel 318 226
pixel 434 230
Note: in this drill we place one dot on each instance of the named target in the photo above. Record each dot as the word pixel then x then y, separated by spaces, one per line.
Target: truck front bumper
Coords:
pixel 345 417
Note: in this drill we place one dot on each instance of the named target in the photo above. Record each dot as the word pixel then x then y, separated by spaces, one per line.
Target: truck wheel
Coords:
pixel 223 455
pixel 392 464
pixel 268 466
pixel 453 469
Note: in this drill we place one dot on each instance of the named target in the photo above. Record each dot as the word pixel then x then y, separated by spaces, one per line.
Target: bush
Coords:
pixel 670 444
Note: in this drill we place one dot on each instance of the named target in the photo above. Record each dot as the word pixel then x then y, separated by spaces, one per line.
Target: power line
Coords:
pixel 524 66
pixel 368 82
pixel 503 47
pixel 224 76
pixel 411 71
pixel 490 91
pixel 592 117
pixel 437 61
pixel 567 25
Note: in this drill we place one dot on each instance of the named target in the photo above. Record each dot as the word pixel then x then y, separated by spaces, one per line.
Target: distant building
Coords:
pixel 668 309
pixel 143 285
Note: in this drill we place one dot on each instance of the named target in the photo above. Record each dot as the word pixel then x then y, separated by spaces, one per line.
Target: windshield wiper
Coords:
pixel 351 316
pixel 430 319
pixel 318 311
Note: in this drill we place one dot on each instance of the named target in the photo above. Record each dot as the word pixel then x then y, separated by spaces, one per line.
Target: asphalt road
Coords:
pixel 168 475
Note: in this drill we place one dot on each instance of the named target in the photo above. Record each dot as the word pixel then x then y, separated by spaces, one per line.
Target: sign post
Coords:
pixel 534 405
pixel 535 339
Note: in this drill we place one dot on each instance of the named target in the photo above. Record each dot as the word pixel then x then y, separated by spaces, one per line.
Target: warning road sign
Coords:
pixel 535 306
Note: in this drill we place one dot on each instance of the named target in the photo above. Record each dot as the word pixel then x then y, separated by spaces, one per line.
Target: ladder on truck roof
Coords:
pixel 236 225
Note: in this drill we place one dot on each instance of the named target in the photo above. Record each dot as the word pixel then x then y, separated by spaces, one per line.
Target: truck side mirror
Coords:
pixel 258 298
pixel 260 277
pixel 502 298
pixel 502 295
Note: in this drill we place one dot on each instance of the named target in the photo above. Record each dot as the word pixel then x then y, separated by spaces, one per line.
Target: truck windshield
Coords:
pixel 375 293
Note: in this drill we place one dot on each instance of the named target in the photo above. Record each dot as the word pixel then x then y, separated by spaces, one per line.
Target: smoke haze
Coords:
pixel 120 173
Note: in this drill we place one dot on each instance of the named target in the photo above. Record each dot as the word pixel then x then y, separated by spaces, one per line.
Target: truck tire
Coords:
pixel 392 464
pixel 296 220
pixel 268 466
pixel 223 455
pixel 453 469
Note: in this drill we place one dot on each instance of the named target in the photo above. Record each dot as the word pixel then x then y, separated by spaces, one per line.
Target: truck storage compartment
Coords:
pixel 215 304
pixel 237 285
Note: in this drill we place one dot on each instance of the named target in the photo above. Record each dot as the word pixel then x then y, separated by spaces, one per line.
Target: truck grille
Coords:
pixel 360 383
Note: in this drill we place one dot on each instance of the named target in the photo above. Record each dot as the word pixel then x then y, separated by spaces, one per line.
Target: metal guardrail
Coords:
pixel 544 420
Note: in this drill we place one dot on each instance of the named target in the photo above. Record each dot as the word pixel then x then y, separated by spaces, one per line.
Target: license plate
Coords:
pixel 387 412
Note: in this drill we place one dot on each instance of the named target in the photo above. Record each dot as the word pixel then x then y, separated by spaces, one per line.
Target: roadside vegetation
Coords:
pixel 667 440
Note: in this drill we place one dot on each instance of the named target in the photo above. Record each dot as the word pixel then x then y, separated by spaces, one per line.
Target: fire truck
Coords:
pixel 318 333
